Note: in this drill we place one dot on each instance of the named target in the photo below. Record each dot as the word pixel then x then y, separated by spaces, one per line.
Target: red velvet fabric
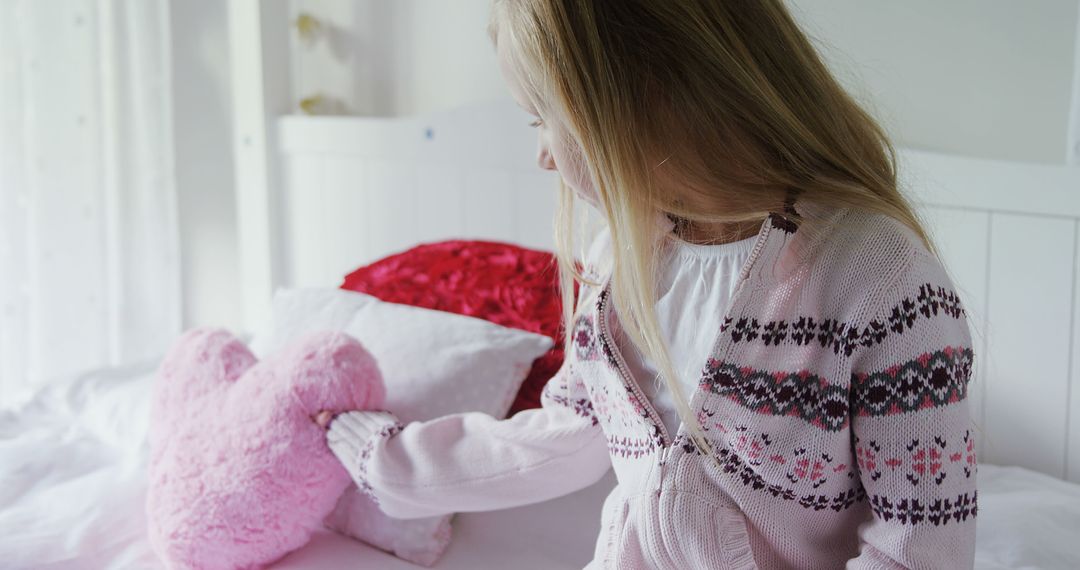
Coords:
pixel 503 283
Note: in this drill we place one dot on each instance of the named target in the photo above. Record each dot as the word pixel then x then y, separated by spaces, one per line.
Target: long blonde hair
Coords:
pixel 729 96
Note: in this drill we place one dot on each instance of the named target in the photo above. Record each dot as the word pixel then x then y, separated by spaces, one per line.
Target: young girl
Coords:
pixel 766 347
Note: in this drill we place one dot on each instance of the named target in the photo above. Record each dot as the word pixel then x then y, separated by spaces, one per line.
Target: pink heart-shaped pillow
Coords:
pixel 239 473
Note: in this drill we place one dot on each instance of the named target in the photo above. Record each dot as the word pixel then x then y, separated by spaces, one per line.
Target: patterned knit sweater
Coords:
pixel 835 400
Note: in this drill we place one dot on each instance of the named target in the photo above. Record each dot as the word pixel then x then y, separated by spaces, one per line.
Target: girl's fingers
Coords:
pixel 323 418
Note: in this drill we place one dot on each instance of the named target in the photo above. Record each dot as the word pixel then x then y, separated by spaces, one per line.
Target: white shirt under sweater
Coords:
pixel 696 283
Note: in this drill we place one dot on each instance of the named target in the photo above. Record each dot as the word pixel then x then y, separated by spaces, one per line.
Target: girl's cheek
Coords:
pixel 583 181
pixel 583 187
pixel 572 168
pixel 591 198
pixel 577 176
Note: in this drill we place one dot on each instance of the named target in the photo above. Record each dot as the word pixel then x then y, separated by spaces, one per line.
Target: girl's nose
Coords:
pixel 543 158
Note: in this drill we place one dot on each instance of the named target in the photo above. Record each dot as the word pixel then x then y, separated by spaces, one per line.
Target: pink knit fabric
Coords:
pixel 835 400
pixel 240 475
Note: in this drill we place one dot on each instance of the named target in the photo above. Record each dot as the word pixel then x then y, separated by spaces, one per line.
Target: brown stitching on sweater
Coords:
pixel 802 394
pixel 581 406
pixel 585 340
pixel 804 465
pixel 933 379
pixel 365 454
pixel 914 510
pixel 846 337
pixel 733 464
pixel 633 447
pixel 921 461
pixel 783 224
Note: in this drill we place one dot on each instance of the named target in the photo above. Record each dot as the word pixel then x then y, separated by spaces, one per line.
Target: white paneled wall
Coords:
pixel 1008 235
pixel 1072 434
pixel 1016 274
pixel 379 58
pixel 359 189
pixel 962 236
pixel 1031 294
pixel 991 78
pixel 336 222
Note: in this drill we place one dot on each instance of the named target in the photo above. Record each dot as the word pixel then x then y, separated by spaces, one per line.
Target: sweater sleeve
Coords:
pixel 912 431
pixel 473 461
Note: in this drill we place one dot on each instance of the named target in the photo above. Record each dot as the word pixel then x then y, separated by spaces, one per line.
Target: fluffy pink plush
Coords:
pixel 240 475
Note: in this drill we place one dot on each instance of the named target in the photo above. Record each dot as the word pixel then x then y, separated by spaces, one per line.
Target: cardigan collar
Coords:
pixel 786 247
pixel 780 248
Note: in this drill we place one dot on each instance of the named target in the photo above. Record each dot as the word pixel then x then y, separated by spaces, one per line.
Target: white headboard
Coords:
pixel 356 189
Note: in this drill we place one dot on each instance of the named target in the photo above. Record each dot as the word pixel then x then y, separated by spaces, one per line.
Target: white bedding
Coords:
pixel 72 486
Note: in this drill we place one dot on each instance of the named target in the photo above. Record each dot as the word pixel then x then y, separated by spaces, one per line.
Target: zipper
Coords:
pixel 665 453
pixel 605 333
pixel 650 411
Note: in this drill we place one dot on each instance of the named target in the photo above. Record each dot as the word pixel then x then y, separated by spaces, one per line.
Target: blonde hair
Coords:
pixel 729 96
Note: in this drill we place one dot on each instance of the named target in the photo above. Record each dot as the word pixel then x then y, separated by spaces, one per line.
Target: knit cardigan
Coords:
pixel 835 401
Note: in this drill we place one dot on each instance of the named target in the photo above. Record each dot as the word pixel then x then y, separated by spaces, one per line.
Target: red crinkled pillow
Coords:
pixel 502 283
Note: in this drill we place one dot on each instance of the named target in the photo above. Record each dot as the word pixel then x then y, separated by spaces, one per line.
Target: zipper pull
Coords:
pixel 660 482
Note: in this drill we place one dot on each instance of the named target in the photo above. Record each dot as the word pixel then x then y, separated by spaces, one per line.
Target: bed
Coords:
pixel 348 191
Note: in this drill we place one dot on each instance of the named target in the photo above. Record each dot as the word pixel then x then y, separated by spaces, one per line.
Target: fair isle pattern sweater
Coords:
pixel 835 400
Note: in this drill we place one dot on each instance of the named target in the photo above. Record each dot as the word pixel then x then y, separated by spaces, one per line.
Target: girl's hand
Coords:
pixel 324 418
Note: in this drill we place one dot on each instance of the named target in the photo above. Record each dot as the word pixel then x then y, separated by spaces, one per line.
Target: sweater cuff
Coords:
pixel 352 436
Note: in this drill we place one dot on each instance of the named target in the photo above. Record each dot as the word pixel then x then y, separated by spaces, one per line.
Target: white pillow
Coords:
pixel 433 363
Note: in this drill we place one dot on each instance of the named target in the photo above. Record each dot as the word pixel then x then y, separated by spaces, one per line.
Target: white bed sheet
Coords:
pixel 72 489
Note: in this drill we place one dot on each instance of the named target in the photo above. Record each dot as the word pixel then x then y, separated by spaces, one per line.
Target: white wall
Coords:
pixel 396 58
pixel 987 78
pixel 204 168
